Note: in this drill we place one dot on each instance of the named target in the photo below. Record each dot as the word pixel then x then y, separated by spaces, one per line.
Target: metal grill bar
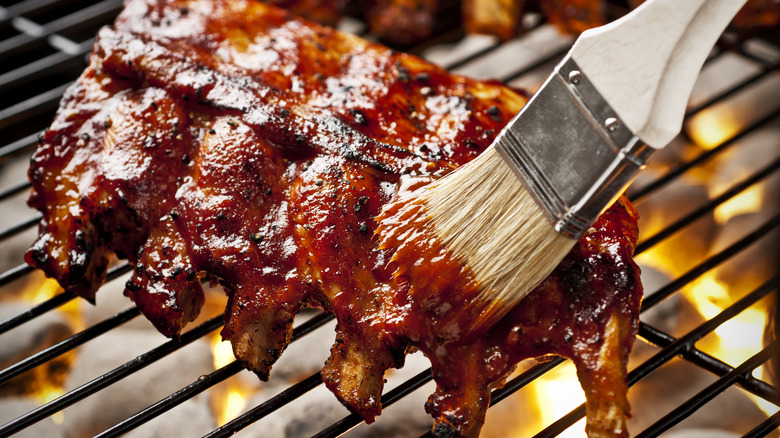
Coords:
pixel 110 377
pixel 6 14
pixel 682 168
pixel 697 271
pixel 752 80
pixel 292 393
pixel 685 347
pixel 19 146
pixel 207 382
pixel 347 423
pixel 31 107
pixel 51 303
pixel 21 226
pixel 67 344
pixel 690 406
pixel 34 35
pixel 709 206
pixel 68 54
pixel 765 428
pixel 54 63
pixel 14 189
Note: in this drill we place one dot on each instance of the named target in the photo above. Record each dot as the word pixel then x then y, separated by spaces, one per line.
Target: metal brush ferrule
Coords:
pixel 571 150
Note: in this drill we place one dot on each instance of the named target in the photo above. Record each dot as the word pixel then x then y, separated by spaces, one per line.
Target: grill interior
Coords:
pixel 43 45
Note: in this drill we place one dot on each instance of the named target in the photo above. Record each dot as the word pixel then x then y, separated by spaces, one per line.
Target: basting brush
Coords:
pixel 619 95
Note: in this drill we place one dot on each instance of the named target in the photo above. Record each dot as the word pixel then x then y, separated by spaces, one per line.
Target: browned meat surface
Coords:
pixel 574 16
pixel 411 21
pixel 327 12
pixel 401 21
pixel 502 17
pixel 228 141
pixel 493 17
pixel 756 14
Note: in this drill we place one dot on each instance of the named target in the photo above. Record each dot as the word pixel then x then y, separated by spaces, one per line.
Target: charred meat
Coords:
pixel 229 141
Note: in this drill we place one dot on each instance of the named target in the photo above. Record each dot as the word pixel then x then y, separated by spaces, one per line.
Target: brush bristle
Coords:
pixel 487 218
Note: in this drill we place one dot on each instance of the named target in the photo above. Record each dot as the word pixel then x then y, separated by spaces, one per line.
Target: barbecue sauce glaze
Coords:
pixel 228 141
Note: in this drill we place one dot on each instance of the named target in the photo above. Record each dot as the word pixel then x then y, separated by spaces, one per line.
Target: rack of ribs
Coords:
pixel 229 141
pixel 412 21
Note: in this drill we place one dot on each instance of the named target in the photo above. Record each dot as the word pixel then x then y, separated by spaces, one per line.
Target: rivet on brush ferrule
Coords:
pixel 571 151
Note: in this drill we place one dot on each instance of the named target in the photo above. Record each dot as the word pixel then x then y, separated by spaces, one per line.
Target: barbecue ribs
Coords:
pixel 229 141
pixel 410 21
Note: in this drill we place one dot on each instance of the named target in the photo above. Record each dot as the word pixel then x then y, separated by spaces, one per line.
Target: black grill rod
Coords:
pixel 291 393
pixel 709 263
pixel 21 226
pixel 528 376
pixel 68 344
pixel 578 413
pixel 519 382
pixel 708 207
pixel 43 67
pixel 205 383
pixel 682 168
pixel 765 62
pixel 22 145
pixel 36 105
pixel 487 50
pixel 352 420
pixel 109 378
pixel 765 72
pixel 712 364
pixel 558 54
pixel 15 189
pixel 561 53
pixel 710 392
pixel 765 428
pixel 51 303
pixel 25 7
pixel 684 346
pixel 14 274
pixel 102 12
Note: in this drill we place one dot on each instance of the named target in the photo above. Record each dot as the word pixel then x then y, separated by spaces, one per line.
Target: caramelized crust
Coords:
pixel 501 18
pixel 228 141
pixel 411 21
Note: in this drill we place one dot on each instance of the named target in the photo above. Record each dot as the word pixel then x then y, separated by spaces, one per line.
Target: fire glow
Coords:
pixel 740 337
pixel 558 393
pixel 229 402
pixel 46 388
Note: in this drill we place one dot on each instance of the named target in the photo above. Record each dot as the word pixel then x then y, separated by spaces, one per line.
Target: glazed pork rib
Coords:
pixel 229 141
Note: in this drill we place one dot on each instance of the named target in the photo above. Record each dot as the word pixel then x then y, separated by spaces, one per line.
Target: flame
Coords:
pixel 713 126
pixel 48 289
pixel 235 401
pixel 708 295
pixel 40 289
pixel 222 352
pixel 738 338
pixel 556 394
pixel 47 382
pixel 232 398
pixel 749 201
pixel 47 393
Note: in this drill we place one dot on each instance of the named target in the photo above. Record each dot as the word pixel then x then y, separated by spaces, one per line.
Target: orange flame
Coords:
pixel 713 126
pixel 232 399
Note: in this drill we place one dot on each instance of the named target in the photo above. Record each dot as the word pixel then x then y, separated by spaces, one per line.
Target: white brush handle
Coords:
pixel 646 63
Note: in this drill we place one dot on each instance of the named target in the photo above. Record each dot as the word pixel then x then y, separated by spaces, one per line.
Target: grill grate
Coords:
pixel 43 49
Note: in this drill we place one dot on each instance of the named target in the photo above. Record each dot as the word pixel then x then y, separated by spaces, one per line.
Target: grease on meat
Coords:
pixel 229 141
